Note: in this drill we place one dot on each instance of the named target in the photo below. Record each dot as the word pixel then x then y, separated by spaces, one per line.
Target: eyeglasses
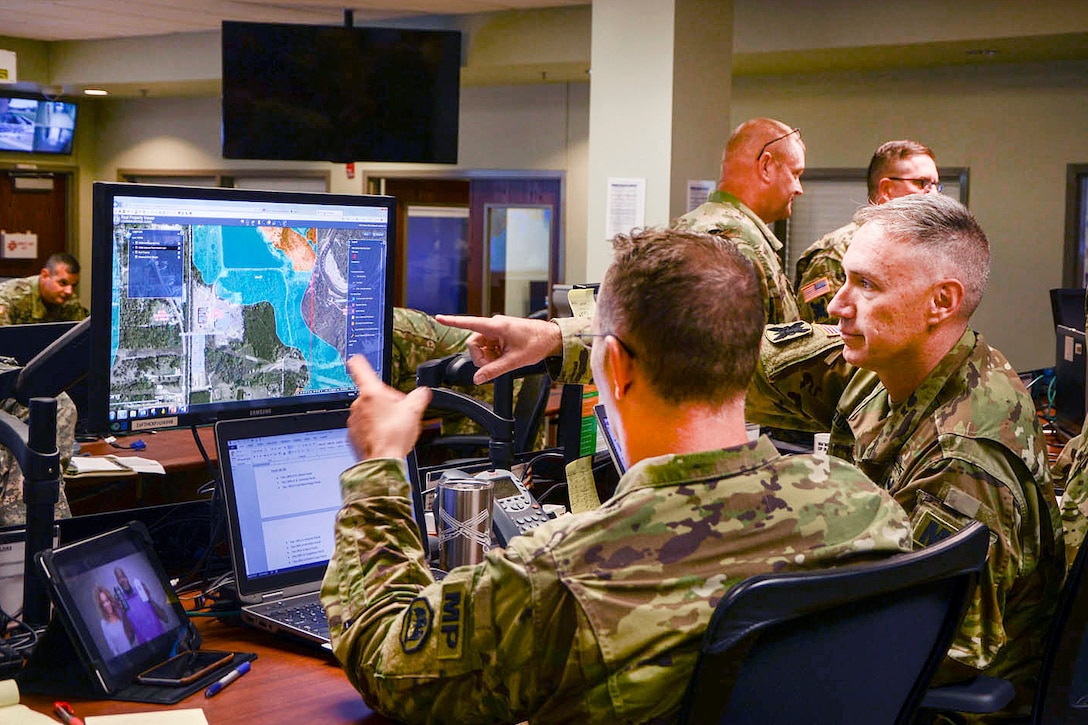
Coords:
pixel 587 339
pixel 776 140
pixel 923 184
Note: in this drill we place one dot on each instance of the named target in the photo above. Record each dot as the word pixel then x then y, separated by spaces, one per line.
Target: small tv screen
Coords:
pixel 36 125
pixel 337 93
pixel 211 303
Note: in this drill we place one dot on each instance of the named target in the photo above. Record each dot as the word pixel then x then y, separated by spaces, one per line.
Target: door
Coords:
pixel 480 246
pixel 515 244
pixel 35 203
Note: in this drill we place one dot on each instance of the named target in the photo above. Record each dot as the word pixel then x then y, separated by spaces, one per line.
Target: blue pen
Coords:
pixel 227 679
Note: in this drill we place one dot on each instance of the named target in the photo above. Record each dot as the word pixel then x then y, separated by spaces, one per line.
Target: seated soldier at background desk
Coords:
pixel 595 617
pixel 45 297
pixel 920 402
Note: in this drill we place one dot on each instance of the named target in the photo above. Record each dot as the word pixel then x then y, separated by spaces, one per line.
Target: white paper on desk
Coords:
pixel 115 465
pixel 186 716
pixel 140 465
pixel 12 713
pixel 88 465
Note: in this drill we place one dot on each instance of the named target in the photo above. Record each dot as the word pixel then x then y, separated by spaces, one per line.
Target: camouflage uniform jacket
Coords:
pixel 21 304
pixel 966 444
pixel 595 617
pixel 727 216
pixel 1070 472
pixel 819 273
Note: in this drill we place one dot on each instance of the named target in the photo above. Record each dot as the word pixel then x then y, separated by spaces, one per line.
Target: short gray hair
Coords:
pixel 945 231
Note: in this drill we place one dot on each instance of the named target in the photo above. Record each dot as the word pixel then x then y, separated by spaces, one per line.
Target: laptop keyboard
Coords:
pixel 304 613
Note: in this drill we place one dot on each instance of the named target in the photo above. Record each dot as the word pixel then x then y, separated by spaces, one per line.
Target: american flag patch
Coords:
pixel 816 288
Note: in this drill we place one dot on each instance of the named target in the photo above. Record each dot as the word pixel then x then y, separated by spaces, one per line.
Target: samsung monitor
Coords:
pixel 212 303
pixel 337 93
pixel 36 125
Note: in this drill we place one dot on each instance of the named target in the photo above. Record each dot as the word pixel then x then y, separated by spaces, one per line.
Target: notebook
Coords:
pixel 281 489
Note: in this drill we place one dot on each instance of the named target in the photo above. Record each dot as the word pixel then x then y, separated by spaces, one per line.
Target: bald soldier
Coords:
pixel 48 296
pixel 761 174
pixel 595 617
pixel 898 168
pixel 927 409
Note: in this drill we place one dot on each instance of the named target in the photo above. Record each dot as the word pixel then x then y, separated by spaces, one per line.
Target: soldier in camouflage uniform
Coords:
pixel 1070 473
pixel 761 173
pixel 12 506
pixel 929 411
pixel 898 168
pixel 45 297
pixel 596 617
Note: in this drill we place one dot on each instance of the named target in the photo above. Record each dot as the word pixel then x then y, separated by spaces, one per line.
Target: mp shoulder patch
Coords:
pixel 416 626
pixel 451 620
pixel 780 334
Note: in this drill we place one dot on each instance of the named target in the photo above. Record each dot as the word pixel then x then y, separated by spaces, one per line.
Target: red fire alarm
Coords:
pixel 349 169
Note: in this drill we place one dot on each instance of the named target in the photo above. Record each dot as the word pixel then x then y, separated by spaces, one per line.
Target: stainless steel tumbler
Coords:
pixel 463 512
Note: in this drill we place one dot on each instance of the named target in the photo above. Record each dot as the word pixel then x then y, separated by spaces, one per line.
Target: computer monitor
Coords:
pixel 212 303
pixel 23 342
pixel 1067 306
pixel 1069 383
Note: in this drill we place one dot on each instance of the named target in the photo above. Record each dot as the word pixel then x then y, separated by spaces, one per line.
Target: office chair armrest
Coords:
pixel 980 694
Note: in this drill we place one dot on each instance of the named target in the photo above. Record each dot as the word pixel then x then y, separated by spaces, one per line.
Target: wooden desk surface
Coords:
pixel 174 448
pixel 289 683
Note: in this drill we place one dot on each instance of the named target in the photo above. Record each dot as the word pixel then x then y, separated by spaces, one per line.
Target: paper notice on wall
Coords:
pixel 18 245
pixel 698 191
pixel 626 206
pixel 7 66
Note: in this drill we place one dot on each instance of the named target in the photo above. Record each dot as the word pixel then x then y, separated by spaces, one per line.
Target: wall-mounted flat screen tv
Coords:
pixel 36 125
pixel 338 93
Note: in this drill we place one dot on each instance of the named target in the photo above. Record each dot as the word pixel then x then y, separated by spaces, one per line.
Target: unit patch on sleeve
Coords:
pixel 779 334
pixel 416 626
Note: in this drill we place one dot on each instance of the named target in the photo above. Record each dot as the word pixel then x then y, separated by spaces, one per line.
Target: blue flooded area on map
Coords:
pixel 251 271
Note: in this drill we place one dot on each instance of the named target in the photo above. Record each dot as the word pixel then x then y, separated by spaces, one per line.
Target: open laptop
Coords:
pixel 281 490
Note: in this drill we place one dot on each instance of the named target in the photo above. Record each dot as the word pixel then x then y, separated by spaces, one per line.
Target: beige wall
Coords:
pixel 1015 127
pixel 518 128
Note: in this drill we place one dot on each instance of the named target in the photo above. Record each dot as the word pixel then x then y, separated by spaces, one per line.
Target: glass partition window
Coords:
pixel 518 254
pixel 437 259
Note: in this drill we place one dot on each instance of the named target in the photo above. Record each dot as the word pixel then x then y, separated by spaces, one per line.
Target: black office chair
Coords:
pixel 1062 694
pixel 854 644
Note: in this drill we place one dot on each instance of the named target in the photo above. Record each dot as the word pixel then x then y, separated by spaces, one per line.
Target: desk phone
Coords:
pixel 514 510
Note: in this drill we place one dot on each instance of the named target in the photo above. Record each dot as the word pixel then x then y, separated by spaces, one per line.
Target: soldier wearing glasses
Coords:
pixel 761 174
pixel 898 168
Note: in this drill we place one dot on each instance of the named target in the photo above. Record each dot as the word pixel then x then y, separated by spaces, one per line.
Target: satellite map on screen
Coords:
pixel 213 313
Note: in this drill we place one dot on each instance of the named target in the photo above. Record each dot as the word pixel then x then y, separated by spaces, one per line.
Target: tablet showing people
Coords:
pixel 116 627
pixel 145 614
